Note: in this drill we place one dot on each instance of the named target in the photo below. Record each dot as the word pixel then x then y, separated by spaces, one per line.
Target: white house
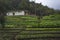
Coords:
pixel 12 13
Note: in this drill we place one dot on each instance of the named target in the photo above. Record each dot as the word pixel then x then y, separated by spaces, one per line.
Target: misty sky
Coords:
pixel 50 3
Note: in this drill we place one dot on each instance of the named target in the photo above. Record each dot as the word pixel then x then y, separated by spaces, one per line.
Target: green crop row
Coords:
pixel 32 21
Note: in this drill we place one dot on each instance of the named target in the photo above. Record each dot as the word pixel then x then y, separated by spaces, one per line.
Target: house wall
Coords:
pixel 10 14
pixel 16 13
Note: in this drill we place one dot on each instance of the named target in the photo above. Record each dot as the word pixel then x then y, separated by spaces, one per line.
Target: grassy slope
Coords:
pixel 32 21
pixel 28 22
pixel 21 21
pixel 51 21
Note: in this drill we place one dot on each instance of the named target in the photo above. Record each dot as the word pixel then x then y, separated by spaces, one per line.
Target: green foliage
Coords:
pixel 32 21
pixel 51 21
pixel 8 5
pixel 21 21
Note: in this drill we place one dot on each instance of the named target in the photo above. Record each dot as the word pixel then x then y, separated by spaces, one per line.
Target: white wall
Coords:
pixel 19 13
pixel 10 14
pixel 16 13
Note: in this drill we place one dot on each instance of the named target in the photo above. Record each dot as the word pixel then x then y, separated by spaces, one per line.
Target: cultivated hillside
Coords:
pixel 32 21
pixel 26 28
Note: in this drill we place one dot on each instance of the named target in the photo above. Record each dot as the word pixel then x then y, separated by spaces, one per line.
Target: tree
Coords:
pixel 2 14
pixel 8 5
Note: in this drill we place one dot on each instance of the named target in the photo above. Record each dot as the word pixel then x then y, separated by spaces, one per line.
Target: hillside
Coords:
pixel 29 27
pixel 51 21
pixel 21 21
pixel 26 28
pixel 32 21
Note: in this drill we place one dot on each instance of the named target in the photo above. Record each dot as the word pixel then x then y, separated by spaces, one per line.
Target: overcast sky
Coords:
pixel 50 3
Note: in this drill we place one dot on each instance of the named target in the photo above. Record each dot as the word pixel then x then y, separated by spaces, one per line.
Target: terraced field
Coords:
pixel 30 34
pixel 26 28
pixel 21 21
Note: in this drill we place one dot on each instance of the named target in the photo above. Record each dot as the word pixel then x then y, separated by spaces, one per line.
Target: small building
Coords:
pixel 15 13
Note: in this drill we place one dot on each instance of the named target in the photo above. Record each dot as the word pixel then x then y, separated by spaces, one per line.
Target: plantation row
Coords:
pixel 30 28
pixel 30 33
pixel 52 21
